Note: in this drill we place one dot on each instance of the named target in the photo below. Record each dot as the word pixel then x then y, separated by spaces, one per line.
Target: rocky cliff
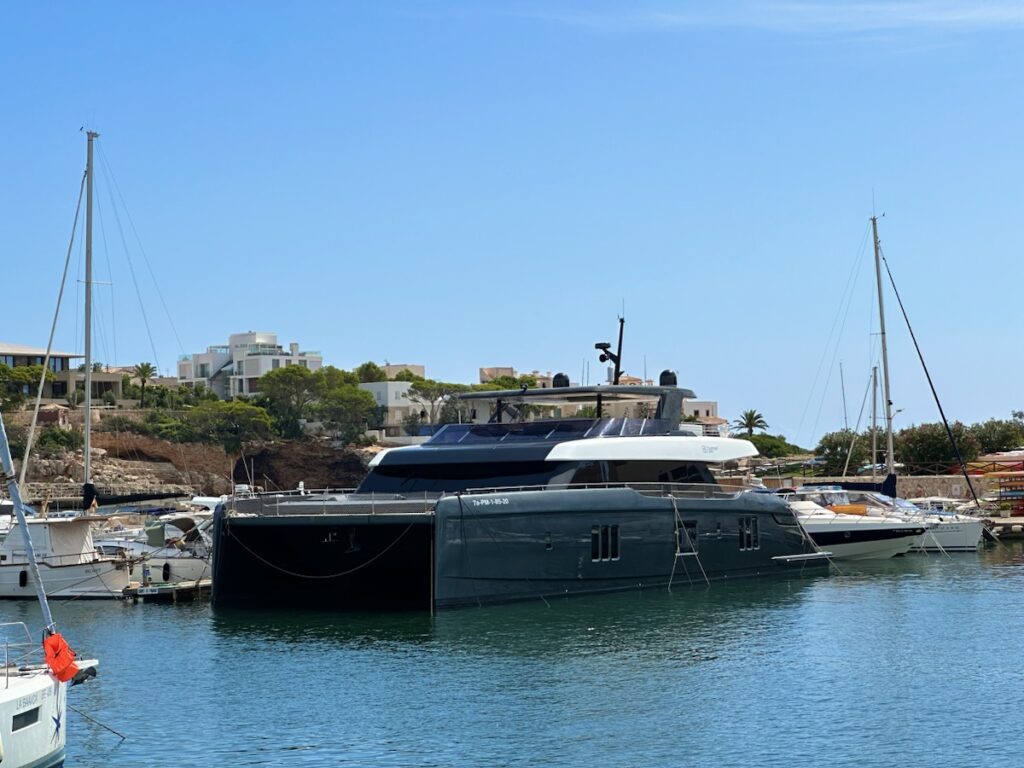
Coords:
pixel 125 463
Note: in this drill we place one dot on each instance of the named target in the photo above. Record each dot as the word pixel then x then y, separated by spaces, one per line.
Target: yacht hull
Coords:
pixel 864 542
pixel 330 561
pixel 952 536
pixel 100 579
pixel 498 547
pixel 32 721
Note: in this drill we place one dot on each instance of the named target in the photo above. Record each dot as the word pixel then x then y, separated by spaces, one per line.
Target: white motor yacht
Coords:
pixel 858 536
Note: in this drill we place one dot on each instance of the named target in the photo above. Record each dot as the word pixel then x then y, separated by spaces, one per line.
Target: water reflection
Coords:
pixel 689 620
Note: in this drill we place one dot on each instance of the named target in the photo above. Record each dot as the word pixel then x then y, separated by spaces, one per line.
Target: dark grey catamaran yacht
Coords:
pixel 514 510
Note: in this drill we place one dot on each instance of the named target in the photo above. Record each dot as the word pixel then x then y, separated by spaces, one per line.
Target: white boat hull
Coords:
pixel 32 719
pixel 952 536
pixel 878 549
pixel 173 570
pixel 99 579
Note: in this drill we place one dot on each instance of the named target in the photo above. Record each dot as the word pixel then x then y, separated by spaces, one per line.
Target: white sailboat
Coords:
pixel 946 533
pixel 33 689
pixel 66 558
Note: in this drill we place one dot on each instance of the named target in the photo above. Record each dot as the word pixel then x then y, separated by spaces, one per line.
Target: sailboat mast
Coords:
pixel 874 423
pixel 87 407
pixel 886 396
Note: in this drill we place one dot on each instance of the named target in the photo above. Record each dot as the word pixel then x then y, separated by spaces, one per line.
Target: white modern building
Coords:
pixel 235 368
pixel 392 398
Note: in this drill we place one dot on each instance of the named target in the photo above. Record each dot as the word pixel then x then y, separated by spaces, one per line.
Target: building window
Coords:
pixel 275 364
pixel 7 360
pixel 303 362
pixel 750 537
pixel 241 368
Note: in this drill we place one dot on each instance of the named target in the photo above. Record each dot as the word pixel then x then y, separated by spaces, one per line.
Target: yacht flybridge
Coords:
pixel 515 509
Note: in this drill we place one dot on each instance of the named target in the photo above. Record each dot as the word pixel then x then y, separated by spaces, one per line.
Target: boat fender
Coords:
pixel 167 572
pixel 82 675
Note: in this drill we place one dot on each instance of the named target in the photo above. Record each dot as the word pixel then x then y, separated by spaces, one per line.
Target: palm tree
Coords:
pixel 750 420
pixel 144 372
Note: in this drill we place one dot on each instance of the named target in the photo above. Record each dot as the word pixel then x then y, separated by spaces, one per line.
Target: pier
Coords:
pixel 180 592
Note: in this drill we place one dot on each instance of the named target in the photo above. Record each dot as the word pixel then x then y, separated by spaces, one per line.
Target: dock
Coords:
pixel 1006 527
pixel 177 592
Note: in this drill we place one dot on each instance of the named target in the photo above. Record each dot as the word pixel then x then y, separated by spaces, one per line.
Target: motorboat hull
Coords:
pixel 862 542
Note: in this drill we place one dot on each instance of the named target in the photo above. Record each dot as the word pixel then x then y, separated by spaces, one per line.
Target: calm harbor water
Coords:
pixel 911 662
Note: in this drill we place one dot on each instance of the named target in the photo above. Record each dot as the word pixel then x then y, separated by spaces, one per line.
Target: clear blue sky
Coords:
pixel 468 184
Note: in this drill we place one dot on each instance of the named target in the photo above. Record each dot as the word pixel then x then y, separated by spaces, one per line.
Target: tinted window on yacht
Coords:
pixel 439 478
pixel 658 472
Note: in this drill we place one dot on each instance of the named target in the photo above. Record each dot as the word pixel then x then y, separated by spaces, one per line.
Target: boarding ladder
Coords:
pixel 691 550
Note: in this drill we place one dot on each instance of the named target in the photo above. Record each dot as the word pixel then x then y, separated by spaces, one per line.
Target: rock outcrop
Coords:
pixel 137 465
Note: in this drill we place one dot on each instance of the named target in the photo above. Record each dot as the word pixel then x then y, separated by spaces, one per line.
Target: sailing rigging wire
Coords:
pixel 856 428
pixel 145 257
pixel 100 327
pixel 842 311
pixel 131 271
pixel 53 330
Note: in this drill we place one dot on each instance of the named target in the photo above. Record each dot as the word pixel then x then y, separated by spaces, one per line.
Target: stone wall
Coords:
pixel 907 486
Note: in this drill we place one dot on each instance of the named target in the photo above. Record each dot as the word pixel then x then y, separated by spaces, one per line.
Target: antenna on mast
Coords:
pixel 607 354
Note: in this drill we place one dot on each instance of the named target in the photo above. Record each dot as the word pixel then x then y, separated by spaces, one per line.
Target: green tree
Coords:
pixel 774 446
pixel 143 372
pixel 289 393
pixel 370 371
pixel 749 421
pixel 834 448
pixel 19 382
pixel 328 377
pixel 411 424
pixel 431 395
pixel 509 382
pixel 998 435
pixel 348 411
pixel 231 424
pixel 453 410
pixel 406 375
pixel 55 441
pixel 926 448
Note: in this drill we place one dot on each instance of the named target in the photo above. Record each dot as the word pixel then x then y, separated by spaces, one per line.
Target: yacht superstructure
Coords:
pixel 502 511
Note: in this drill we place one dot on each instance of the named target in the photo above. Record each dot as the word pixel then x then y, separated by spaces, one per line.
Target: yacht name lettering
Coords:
pixel 490 502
